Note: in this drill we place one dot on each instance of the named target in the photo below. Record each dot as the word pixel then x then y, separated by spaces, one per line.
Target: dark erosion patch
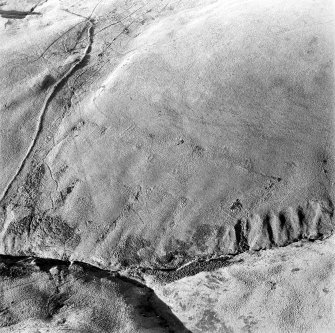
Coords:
pixel 15 271
pixel 176 253
pixel 16 14
pixel 18 228
pixel 208 321
pixel 47 81
pixel 128 251
pixel 31 187
pixel 201 235
pixel 60 232
pixel 34 179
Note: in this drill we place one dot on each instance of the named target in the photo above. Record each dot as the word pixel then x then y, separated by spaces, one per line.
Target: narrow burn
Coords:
pixel 268 228
pixel 241 236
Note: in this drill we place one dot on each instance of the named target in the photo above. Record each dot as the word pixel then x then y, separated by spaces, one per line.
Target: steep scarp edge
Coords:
pixel 59 299
pixel 16 272
pixel 269 231
pixel 60 286
pixel 43 235
pixel 204 264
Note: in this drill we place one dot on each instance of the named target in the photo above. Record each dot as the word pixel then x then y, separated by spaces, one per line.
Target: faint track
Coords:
pixel 52 92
